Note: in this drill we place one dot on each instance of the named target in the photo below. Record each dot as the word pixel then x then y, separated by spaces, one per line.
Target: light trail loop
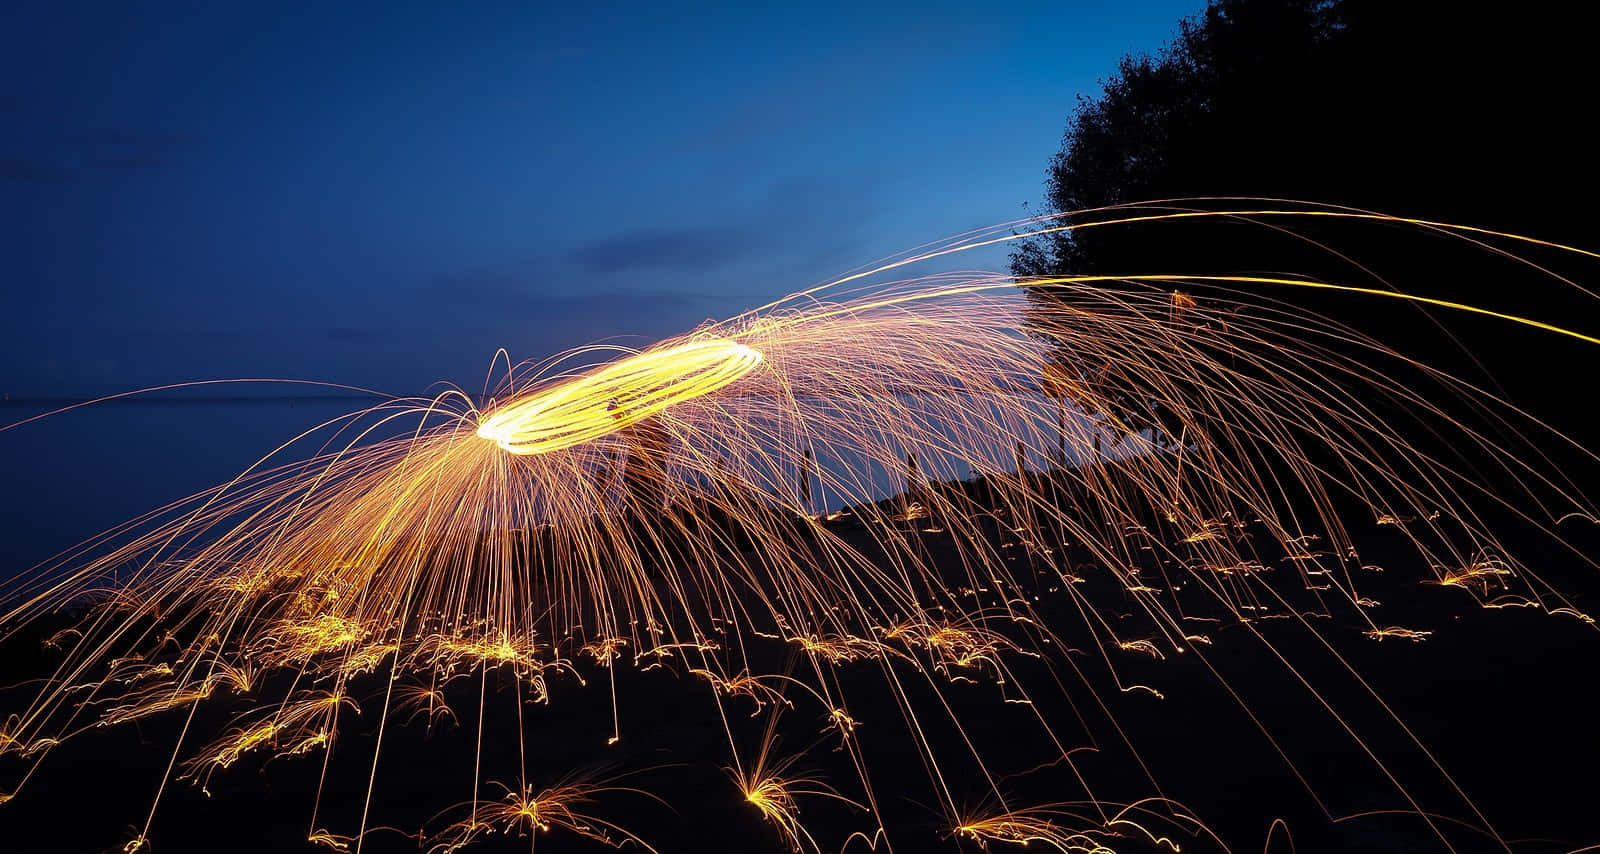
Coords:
pixel 617 395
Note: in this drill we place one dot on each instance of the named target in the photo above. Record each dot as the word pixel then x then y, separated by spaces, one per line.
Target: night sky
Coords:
pixel 385 197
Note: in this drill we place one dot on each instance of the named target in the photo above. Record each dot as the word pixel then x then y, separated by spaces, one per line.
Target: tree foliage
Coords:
pixel 1472 110
pixel 1455 110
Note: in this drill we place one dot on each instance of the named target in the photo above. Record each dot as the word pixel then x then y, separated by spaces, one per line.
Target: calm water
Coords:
pixel 73 475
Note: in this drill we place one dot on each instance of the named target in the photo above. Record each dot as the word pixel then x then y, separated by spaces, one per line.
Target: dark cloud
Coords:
pixel 126 137
pixel 556 53
pixel 123 149
pixel 346 333
pixel 516 292
pixel 532 314
pixel 651 280
pixel 678 250
pixel 744 125
pixel 131 162
pixel 28 171
pixel 107 149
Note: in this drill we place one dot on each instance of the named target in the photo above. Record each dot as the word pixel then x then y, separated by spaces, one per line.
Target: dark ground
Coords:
pixel 1504 699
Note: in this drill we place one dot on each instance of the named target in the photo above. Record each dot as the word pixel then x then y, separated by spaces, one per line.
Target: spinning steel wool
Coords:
pixel 923 483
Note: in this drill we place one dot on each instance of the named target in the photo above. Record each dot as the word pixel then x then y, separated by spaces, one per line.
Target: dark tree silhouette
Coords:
pixel 1466 110
pixel 1469 112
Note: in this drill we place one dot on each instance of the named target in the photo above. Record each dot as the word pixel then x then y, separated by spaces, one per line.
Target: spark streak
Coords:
pixel 929 484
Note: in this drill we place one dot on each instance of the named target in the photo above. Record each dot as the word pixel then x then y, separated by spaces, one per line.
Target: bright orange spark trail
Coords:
pixel 1061 491
pixel 616 396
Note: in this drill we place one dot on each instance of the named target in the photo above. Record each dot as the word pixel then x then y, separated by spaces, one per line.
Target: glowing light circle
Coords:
pixel 615 396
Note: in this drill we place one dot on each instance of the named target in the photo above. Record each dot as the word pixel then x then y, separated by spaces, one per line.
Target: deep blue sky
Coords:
pixel 382 195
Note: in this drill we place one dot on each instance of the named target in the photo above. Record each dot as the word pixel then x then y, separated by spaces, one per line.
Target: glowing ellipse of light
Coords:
pixel 617 395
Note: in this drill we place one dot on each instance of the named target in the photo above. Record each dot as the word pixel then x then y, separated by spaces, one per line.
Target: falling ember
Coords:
pixel 616 396
pixel 958 483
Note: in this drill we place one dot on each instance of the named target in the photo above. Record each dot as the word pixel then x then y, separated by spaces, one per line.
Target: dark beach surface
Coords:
pixel 1503 699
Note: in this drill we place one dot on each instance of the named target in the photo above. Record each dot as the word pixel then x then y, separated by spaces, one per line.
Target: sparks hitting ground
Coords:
pixel 1080 449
